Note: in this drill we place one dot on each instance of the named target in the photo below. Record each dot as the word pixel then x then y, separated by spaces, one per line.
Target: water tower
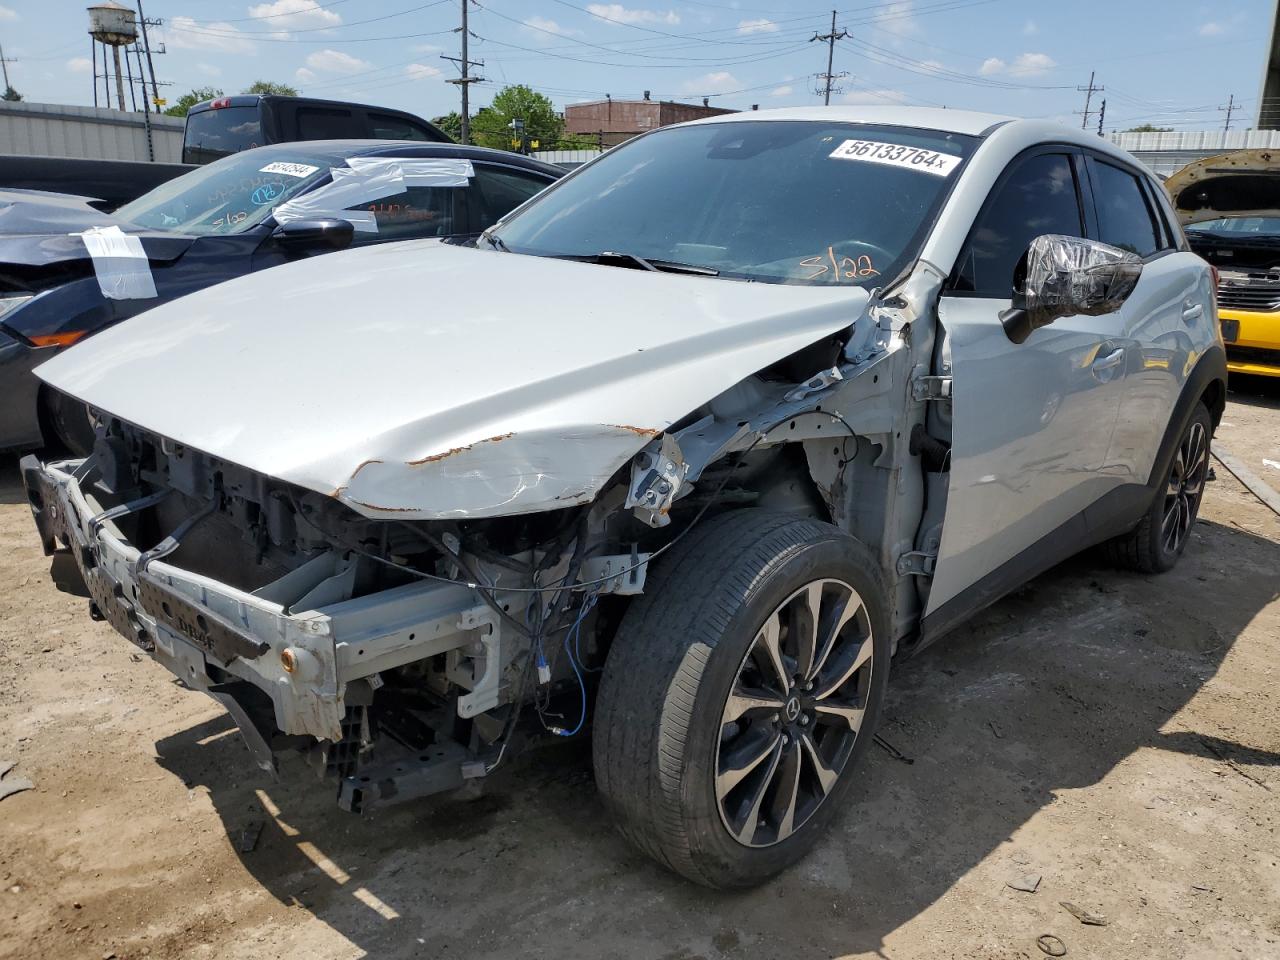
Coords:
pixel 114 26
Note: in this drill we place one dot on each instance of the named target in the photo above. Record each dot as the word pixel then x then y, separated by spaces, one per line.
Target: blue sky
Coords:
pixel 1170 63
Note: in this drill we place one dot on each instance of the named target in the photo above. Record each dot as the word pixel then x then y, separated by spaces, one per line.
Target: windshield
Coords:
pixel 800 202
pixel 229 196
pixel 1261 226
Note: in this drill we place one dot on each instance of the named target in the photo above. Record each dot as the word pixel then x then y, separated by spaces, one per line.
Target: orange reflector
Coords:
pixel 58 339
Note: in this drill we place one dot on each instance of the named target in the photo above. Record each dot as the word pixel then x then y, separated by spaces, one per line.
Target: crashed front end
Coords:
pixel 294 612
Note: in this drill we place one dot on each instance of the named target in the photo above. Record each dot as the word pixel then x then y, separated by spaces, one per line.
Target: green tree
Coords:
pixel 271 87
pixel 450 123
pixel 189 100
pixel 1148 128
pixel 12 95
pixel 491 126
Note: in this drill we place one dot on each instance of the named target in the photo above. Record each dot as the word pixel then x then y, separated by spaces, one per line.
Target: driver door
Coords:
pixel 1031 422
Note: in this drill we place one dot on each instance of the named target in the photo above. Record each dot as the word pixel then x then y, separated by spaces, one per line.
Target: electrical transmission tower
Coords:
pixel 1088 92
pixel 828 79
pixel 1229 109
pixel 465 81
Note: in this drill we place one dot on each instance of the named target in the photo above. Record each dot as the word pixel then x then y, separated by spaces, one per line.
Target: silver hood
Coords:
pixel 421 380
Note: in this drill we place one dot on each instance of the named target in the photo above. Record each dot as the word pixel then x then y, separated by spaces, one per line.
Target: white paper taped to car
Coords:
pixel 897 155
pixel 420 171
pixel 368 179
pixel 119 263
pixel 299 170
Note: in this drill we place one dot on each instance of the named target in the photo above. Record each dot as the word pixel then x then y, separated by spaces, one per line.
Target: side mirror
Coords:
pixel 1069 276
pixel 303 235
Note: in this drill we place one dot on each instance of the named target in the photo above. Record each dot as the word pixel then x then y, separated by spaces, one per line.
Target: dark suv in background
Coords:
pixel 227 125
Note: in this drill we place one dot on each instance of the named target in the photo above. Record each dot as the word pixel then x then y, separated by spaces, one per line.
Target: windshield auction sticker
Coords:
pixel 896 155
pixel 297 169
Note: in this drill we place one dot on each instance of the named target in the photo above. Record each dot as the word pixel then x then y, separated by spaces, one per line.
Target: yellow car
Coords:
pixel 1230 207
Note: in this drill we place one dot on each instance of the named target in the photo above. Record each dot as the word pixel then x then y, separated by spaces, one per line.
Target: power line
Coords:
pixel 830 40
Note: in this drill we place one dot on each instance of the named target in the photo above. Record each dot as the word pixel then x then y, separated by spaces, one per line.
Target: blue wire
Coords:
pixel 575 633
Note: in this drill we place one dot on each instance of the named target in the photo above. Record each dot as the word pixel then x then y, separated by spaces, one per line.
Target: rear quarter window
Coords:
pixel 323 123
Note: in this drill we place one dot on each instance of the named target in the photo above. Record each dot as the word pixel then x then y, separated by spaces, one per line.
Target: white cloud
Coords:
pixel 621 14
pixel 1211 29
pixel 287 14
pixel 716 82
pixel 874 97
pixel 209 70
pixel 783 91
pixel 1030 28
pixel 335 61
pixel 934 64
pixel 186 34
pixel 762 25
pixel 420 71
pixel 1023 65
pixel 80 65
pixel 7 14
pixel 1031 64
pixel 897 18
pixel 539 27
pixel 303 75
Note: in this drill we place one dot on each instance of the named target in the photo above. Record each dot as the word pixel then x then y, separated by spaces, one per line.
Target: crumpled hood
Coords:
pixel 425 380
pixel 36 230
pixel 1241 184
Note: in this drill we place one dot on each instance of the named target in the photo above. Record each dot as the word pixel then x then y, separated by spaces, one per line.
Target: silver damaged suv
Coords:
pixel 679 456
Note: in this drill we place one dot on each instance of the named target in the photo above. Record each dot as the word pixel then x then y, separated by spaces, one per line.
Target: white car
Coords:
pixel 682 454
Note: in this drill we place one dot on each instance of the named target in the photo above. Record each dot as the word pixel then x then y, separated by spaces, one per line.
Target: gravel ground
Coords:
pixel 1114 735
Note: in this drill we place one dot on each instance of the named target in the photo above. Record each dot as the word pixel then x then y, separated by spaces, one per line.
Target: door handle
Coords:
pixel 1193 313
pixel 1103 366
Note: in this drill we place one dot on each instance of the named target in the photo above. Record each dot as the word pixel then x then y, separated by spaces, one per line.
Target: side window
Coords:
pixel 417 212
pixel 317 123
pixel 385 127
pixel 501 191
pixel 1038 197
pixel 1124 219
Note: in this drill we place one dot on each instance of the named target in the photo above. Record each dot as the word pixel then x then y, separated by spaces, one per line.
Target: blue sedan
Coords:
pixel 68 270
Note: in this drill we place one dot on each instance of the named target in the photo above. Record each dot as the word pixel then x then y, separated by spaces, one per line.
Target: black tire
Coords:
pixel 1147 547
pixel 679 648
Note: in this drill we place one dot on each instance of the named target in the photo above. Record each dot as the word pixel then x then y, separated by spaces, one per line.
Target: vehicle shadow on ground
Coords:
pixel 11 490
pixel 1045 692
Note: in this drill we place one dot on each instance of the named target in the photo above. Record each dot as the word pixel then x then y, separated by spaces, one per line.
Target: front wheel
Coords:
pixel 739 694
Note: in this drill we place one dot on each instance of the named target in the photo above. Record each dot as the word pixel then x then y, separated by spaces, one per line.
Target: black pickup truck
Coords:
pixel 216 128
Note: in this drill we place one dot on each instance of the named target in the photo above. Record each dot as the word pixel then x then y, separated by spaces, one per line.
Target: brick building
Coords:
pixel 612 121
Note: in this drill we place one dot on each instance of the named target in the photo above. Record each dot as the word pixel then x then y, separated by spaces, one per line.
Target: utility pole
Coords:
pixel 466 79
pixel 830 39
pixel 146 46
pixel 4 65
pixel 1102 115
pixel 1088 92
pixel 1229 109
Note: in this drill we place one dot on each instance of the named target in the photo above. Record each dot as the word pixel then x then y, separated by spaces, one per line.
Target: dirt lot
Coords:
pixel 1116 735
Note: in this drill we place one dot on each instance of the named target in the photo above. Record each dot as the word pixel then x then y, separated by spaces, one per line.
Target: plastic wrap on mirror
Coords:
pixel 1071 275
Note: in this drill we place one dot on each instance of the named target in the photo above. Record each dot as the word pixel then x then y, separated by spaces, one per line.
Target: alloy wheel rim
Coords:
pixel 794 712
pixel 1186 485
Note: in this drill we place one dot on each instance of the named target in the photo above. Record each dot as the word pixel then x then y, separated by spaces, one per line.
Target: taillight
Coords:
pixel 220 103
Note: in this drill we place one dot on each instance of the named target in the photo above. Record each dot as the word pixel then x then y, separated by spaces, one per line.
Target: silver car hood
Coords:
pixel 421 380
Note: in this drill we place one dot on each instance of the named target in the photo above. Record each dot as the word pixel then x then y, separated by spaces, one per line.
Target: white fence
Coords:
pixel 59 130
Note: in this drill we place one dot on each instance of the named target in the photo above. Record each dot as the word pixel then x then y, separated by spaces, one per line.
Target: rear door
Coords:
pixel 1156 322
pixel 1032 422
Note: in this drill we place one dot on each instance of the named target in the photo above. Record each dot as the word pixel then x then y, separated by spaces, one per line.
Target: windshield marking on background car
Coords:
pixel 290 169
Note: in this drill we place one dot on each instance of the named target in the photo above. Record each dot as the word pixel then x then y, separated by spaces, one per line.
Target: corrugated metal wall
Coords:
pixel 1166 153
pixel 58 130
